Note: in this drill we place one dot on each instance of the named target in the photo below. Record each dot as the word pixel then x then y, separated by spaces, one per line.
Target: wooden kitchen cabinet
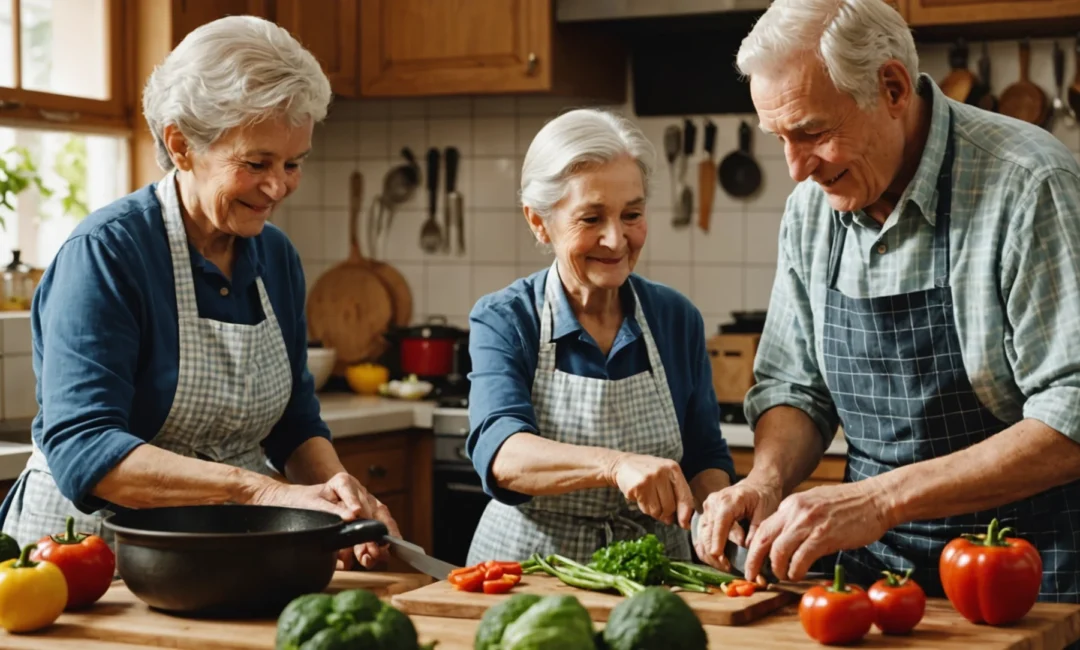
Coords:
pixel 396 468
pixel 189 14
pixel 329 29
pixel 829 472
pixel 456 47
pixel 931 13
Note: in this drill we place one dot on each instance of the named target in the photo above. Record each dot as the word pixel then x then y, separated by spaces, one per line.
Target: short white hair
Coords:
pixel 851 38
pixel 235 71
pixel 573 142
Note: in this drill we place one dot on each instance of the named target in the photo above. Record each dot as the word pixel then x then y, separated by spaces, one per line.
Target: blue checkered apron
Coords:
pixel 635 414
pixel 233 384
pixel 894 368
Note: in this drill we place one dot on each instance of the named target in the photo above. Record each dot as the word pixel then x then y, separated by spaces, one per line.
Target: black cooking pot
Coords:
pixel 231 560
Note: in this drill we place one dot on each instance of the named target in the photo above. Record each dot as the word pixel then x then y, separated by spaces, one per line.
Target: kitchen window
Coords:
pixel 62 106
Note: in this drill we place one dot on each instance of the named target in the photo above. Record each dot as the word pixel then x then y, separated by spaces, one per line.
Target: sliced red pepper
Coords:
pixel 510 567
pixel 468 581
pixel 468 569
pixel 512 577
pixel 493 573
pixel 746 589
pixel 500 586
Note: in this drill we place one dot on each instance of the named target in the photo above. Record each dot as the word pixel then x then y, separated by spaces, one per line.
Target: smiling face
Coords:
pixel 854 155
pixel 598 228
pixel 242 177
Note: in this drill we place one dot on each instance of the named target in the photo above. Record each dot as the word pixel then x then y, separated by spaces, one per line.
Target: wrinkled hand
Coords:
pixel 812 524
pixel 657 485
pixel 721 512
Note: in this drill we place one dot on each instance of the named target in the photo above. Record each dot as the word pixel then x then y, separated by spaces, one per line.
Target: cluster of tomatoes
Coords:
pixel 989 578
pixel 490 577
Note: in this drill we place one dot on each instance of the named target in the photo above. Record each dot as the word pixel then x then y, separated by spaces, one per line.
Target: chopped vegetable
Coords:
pixel 837 612
pixel 899 603
pixel 739 588
pixel 991 578
pixel 86 561
pixel 581 576
pixel 9 548
pixel 490 577
pixel 354 618
pixel 32 594
pixel 655 619
pixel 529 622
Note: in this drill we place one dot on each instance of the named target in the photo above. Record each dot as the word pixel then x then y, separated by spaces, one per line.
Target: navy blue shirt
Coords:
pixel 504 341
pixel 105 336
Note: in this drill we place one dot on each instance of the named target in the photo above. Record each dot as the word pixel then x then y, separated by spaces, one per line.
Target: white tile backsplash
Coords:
pixel 497 137
pixel 494 236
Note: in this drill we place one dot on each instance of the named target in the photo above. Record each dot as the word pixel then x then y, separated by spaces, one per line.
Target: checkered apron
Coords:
pixel 233 384
pixel 894 368
pixel 635 414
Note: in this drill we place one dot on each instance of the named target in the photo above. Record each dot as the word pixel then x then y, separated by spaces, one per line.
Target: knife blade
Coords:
pixel 415 557
pixel 735 554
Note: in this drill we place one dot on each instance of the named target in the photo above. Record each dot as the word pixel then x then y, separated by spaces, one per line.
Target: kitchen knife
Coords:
pixel 707 178
pixel 415 557
pixel 735 554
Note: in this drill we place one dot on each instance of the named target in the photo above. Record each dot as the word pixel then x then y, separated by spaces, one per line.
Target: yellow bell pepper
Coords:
pixel 32 594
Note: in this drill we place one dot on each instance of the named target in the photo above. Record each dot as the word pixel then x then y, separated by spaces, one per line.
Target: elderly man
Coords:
pixel 927 298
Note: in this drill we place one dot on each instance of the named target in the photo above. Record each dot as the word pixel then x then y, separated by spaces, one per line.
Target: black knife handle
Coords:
pixel 432 177
pixel 710 137
pixel 452 156
pixel 689 138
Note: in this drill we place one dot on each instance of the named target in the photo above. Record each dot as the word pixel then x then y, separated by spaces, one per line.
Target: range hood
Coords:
pixel 606 10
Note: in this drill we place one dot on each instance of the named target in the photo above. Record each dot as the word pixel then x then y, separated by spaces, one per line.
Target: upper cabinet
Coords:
pixel 930 13
pixel 189 14
pixel 329 30
pixel 453 47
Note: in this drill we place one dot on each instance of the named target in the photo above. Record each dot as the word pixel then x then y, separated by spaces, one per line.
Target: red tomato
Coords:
pixel 836 613
pixel 991 578
pixel 899 603
pixel 86 561
pixel 499 586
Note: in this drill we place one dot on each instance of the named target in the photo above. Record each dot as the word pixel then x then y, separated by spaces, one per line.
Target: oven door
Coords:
pixel 459 502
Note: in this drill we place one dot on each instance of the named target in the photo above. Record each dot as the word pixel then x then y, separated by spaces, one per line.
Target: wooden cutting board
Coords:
pixel 441 599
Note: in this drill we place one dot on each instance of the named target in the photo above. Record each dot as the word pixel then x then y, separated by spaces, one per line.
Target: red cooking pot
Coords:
pixel 428 350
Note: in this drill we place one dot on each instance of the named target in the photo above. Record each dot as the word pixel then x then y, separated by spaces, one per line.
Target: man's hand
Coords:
pixel 747 499
pixel 812 524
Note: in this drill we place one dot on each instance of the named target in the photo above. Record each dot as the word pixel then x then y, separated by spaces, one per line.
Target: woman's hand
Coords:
pixel 721 512
pixel 657 485
pixel 342 495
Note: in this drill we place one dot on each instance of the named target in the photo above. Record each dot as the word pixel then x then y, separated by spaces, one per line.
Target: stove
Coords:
pixel 450 418
pixel 459 498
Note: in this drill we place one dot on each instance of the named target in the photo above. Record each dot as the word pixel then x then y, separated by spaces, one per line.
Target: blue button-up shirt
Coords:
pixel 504 342
pixel 105 346
pixel 1014 268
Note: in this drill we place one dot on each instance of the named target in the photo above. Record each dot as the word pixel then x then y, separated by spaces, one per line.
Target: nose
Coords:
pixel 274 185
pixel 612 233
pixel 801 161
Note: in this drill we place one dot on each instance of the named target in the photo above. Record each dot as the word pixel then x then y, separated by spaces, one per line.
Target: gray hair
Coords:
pixel 852 38
pixel 575 141
pixel 231 72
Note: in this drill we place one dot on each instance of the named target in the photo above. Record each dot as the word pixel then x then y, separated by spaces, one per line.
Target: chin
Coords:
pixel 843 203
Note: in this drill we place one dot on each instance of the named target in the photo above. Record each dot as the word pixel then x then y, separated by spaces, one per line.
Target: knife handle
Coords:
pixel 357 532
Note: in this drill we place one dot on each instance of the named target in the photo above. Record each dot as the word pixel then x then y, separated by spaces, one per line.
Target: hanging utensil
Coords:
pixel 1023 99
pixel 399 185
pixel 400 295
pixel 707 178
pixel 685 208
pixel 740 175
pixel 959 83
pixel 454 201
pixel 986 101
pixel 672 144
pixel 1062 110
pixel 431 236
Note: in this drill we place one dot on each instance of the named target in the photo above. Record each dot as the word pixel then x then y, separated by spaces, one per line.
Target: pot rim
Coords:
pixel 268 534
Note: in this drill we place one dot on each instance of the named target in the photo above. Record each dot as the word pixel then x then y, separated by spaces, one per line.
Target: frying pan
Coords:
pixel 959 84
pixel 230 561
pixel 740 176
pixel 1023 99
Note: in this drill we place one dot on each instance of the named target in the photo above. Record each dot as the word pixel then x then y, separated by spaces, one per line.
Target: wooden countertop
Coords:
pixel 120 622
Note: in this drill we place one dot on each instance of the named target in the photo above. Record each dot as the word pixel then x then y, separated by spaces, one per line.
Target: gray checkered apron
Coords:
pixel 635 414
pixel 233 384
pixel 894 368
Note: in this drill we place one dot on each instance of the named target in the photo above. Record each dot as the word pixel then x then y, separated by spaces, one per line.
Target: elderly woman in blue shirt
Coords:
pixel 592 408
pixel 169 338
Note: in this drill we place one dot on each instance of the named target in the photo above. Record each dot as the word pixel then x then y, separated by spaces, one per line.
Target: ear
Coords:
pixel 537 225
pixel 178 148
pixel 897 87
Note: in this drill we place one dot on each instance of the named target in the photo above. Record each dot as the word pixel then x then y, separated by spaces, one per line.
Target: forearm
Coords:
pixel 707 482
pixel 532 465
pixel 313 462
pixel 152 477
pixel 1023 460
pixel 787 448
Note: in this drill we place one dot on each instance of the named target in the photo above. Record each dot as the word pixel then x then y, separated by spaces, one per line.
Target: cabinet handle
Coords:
pixel 376 471
pixel 530 66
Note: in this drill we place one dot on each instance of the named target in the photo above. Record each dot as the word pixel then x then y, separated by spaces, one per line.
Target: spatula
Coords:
pixel 707 178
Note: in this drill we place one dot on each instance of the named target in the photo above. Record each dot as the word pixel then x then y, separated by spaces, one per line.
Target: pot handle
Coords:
pixel 358 532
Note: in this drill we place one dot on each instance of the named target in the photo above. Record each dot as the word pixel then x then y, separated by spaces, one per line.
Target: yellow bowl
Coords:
pixel 365 378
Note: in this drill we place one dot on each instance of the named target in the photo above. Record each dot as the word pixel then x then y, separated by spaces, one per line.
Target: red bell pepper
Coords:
pixel 836 613
pixel 899 603
pixel 991 578
pixel 87 562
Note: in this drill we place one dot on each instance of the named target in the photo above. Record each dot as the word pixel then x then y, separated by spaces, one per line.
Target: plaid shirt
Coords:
pixel 1015 271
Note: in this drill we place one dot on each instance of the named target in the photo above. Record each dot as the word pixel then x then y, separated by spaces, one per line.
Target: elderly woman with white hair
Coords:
pixel 169 338
pixel 592 407
pixel 927 297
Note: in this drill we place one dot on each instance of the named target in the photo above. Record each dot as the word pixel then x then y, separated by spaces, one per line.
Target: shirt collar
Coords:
pixel 246 265
pixel 922 190
pixel 566 322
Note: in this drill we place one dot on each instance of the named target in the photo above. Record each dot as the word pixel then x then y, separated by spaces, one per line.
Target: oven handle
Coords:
pixel 465 487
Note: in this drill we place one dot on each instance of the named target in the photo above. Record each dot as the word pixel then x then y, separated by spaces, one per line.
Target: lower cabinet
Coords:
pixel 397 468
pixel 829 472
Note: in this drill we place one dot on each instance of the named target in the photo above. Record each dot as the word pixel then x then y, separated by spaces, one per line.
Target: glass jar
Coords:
pixel 18 285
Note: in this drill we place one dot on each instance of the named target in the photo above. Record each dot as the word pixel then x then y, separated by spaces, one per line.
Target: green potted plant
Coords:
pixel 17 173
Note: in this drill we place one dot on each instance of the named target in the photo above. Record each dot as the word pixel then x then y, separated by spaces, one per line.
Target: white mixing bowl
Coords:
pixel 320 363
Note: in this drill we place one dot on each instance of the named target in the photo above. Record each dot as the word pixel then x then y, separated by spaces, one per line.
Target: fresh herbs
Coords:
pixel 628 567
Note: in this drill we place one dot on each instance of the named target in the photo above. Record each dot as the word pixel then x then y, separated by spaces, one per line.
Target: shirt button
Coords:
pixel 882 248
pixel 224 291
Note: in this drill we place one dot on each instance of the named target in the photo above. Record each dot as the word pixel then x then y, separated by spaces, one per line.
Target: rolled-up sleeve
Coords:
pixel 786 372
pixel 1041 285
pixel 703 445
pixel 302 419
pixel 86 321
pixel 500 394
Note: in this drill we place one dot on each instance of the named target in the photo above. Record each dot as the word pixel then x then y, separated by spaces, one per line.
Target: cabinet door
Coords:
pixel 948 12
pixel 189 14
pixel 328 28
pixel 432 47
